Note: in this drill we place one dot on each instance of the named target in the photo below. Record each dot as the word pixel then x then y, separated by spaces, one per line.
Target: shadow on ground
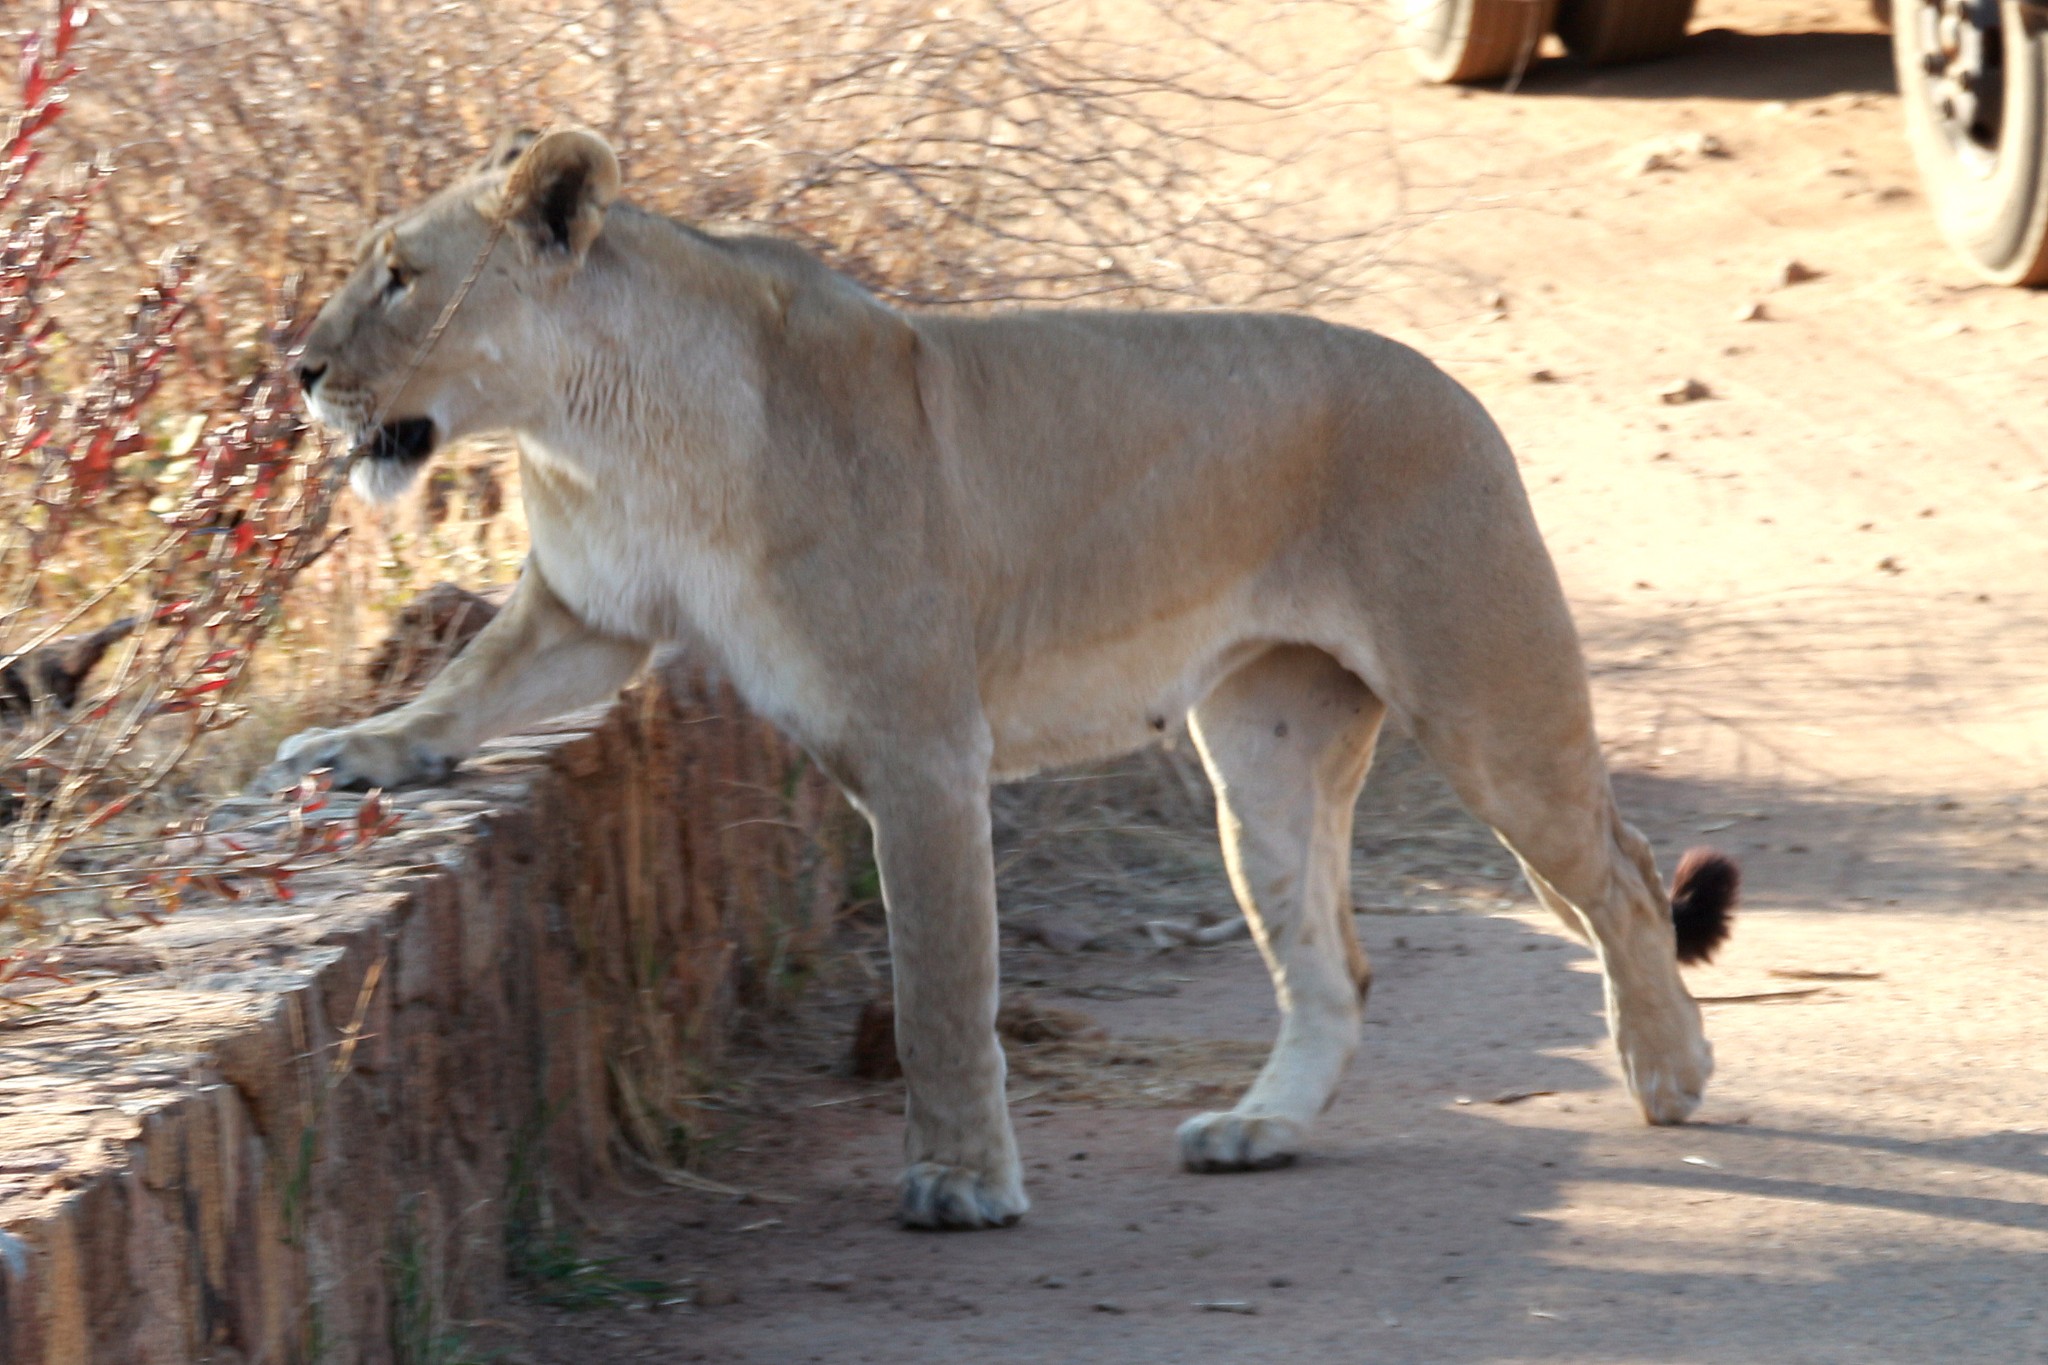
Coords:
pixel 1720 63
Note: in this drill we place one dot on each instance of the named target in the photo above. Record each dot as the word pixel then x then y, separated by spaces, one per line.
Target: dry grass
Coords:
pixel 1107 847
pixel 1106 843
pixel 1135 1072
pixel 980 151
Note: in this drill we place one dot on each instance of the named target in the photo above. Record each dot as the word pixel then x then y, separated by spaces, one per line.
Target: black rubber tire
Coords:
pixel 1604 32
pixel 1459 41
pixel 1992 207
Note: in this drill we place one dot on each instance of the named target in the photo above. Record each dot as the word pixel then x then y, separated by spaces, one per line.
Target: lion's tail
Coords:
pixel 1703 895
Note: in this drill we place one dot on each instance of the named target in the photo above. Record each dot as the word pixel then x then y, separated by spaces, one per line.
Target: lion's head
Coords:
pixel 440 330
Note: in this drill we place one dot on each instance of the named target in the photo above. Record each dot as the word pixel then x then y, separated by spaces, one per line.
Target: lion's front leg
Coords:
pixel 534 660
pixel 931 825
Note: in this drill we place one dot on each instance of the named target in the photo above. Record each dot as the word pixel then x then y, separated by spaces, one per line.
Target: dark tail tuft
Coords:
pixel 1703 895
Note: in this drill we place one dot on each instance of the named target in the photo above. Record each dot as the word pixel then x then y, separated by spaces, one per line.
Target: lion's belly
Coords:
pixel 1075 703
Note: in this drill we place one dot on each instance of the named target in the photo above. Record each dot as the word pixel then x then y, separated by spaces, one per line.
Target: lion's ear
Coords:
pixel 507 148
pixel 558 190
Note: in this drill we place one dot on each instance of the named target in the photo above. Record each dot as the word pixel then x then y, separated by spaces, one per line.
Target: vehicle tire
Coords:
pixel 1974 83
pixel 1455 41
pixel 1607 31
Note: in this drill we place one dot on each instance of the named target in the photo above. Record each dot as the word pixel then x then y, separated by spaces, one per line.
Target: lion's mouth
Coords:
pixel 391 457
pixel 408 440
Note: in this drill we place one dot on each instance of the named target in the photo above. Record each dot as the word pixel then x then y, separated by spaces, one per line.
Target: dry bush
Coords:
pixel 980 151
pixel 95 723
pixel 974 153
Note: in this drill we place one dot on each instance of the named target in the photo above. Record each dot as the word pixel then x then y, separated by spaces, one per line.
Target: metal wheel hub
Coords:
pixel 1963 47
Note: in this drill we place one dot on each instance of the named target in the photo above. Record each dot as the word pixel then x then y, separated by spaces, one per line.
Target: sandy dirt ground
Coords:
pixel 1814 603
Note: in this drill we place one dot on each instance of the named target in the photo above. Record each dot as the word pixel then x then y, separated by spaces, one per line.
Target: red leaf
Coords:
pixel 108 812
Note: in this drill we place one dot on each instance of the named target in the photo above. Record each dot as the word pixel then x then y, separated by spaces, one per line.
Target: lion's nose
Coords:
pixel 309 375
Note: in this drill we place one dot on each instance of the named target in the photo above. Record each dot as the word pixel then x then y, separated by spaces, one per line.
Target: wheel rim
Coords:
pixel 1962 52
pixel 1432 22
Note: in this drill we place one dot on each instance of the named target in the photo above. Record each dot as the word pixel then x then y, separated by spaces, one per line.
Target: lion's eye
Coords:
pixel 396 278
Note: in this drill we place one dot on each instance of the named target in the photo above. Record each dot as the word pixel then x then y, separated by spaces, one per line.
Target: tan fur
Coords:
pixel 942 550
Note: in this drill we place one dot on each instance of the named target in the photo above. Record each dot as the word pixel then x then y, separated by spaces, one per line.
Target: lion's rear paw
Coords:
pixel 1239 1142
pixel 1667 1097
pixel 959 1198
pixel 1669 1088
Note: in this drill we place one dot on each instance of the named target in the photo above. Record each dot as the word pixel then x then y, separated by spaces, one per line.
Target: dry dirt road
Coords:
pixel 1814 602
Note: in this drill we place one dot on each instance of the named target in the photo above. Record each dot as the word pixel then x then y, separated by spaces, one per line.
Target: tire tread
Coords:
pixel 1498 35
pixel 1605 32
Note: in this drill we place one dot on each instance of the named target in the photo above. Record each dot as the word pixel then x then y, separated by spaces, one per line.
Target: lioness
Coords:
pixel 943 551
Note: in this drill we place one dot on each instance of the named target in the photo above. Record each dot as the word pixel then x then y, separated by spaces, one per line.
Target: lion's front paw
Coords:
pixel 1239 1142
pixel 958 1198
pixel 358 756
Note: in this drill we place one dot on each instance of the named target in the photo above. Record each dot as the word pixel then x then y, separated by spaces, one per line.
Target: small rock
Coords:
pixel 714 1294
pixel 1890 564
pixel 833 1284
pixel 874 1043
pixel 1050 1282
pixel 1228 1306
pixel 1672 153
pixel 1023 1018
pixel 1797 272
pixel 1105 1306
pixel 428 632
pixel 1170 933
pixel 1684 391
pixel 1057 935
pixel 1753 312
pixel 1544 377
pixel 56 672
pixel 1279 1282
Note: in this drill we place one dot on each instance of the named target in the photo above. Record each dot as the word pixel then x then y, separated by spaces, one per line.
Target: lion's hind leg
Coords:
pixel 1548 800
pixel 1287 739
